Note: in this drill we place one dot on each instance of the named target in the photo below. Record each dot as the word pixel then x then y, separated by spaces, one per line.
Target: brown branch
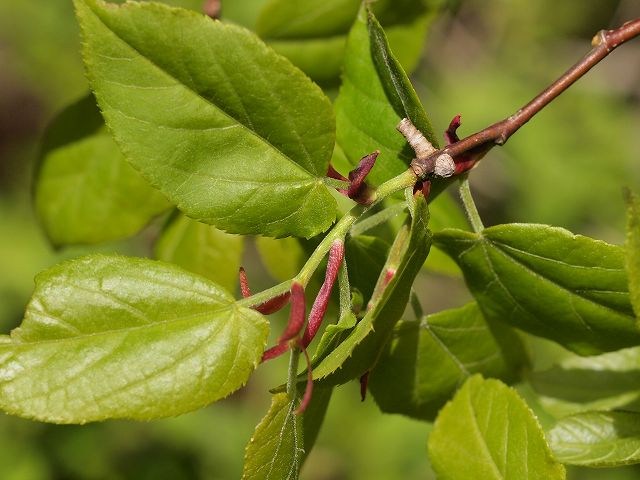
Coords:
pixel 481 142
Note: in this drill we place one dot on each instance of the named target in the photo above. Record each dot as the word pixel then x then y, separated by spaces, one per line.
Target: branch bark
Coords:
pixel 479 143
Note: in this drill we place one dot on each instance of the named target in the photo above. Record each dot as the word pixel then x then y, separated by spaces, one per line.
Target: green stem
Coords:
pixel 340 229
pixel 469 205
pixel 265 295
pixel 377 218
pixel 292 376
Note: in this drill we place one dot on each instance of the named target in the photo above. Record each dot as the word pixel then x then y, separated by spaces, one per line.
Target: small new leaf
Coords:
pixel 487 431
pixel 117 337
pixel 276 449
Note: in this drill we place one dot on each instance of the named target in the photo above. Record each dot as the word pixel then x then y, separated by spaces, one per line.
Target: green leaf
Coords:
pixel 359 351
pixel 117 337
pixel 277 447
pixel 428 360
pixel 85 192
pixel 548 282
pixel 365 257
pixel 231 132
pixel 282 257
pixel 597 439
pixel 632 248
pixel 487 431
pixel 576 384
pixel 313 33
pixel 373 98
pixel 202 249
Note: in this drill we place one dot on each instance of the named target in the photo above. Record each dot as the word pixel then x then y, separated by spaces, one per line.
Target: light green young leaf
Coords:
pixel 597 439
pixel 548 282
pixel 282 257
pixel 313 33
pixel 632 248
pixel 487 431
pixel 85 192
pixel 577 384
pixel 231 132
pixel 428 360
pixel 202 249
pixel 366 114
pixel 359 351
pixel 275 452
pixel 118 337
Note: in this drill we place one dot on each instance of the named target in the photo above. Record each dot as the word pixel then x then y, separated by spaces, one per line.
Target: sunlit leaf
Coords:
pixel 85 192
pixel 548 282
pixel 487 431
pixel 428 360
pixel 276 449
pixel 118 337
pixel 366 116
pixel 231 132
pixel 313 33
pixel 597 439
pixel 202 249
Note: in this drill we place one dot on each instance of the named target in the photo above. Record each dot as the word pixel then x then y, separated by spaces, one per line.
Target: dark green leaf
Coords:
pixel 597 439
pixel 548 282
pixel 365 257
pixel 428 360
pixel 444 213
pixel 231 132
pixel 576 384
pixel 117 337
pixel 276 450
pixel 359 351
pixel 366 117
pixel 202 249
pixel 632 247
pixel 488 432
pixel 85 192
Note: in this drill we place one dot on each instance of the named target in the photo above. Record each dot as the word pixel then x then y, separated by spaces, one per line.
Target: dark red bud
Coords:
pixel 275 351
pixel 450 134
pixel 364 382
pixel 297 314
pixel 336 175
pixel 268 307
pixel 357 186
pixel 336 254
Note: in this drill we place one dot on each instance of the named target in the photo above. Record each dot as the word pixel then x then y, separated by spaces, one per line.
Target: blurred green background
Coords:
pixel 483 60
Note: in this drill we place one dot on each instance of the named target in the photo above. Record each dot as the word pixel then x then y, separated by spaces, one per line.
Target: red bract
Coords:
pixel 358 190
pixel 467 160
pixel 364 383
pixel 275 351
pixel 336 254
pixel 268 307
pixel 296 315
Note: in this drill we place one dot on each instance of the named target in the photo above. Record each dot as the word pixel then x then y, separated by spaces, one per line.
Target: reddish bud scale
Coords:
pixel 273 305
pixel 364 383
pixel 319 308
pixel 357 186
pixel 275 351
pixel 244 283
pixel 450 134
pixel 296 315
pixel 465 161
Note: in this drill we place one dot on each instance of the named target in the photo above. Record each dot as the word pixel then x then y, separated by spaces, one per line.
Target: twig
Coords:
pixel 481 142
